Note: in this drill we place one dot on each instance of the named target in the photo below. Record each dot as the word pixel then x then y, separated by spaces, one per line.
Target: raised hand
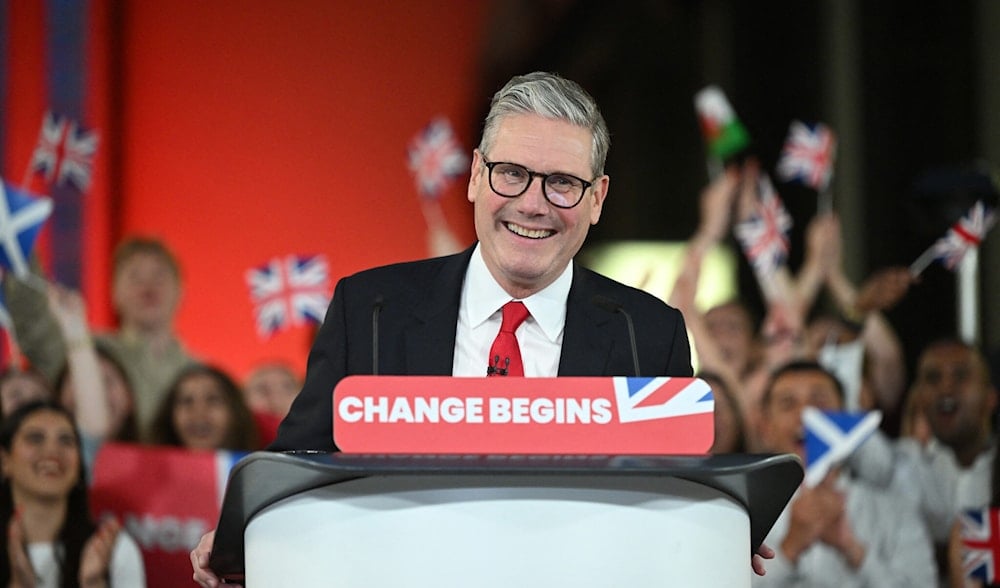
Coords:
pixel 95 558
pixel 22 575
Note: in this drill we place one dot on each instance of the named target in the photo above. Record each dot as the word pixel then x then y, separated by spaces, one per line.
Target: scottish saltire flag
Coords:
pixel 965 234
pixel 808 155
pixel 436 158
pixel 980 536
pixel 764 236
pixel 289 291
pixel 64 152
pixel 724 134
pixel 21 218
pixel 643 399
pixel 830 437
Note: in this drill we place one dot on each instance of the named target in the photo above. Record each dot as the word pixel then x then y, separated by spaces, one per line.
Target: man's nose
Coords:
pixel 533 199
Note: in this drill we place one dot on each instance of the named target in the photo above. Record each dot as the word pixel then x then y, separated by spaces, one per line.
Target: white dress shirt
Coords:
pixel 479 317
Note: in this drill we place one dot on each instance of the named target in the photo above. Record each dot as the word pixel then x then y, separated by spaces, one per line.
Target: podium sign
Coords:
pixel 573 415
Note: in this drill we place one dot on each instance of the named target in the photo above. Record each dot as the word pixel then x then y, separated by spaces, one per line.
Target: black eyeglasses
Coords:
pixel 510 180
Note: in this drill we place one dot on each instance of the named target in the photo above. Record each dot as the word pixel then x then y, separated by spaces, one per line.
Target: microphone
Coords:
pixel 376 312
pixel 613 307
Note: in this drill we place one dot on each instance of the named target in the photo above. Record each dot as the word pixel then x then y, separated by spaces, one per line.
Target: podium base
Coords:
pixel 495 531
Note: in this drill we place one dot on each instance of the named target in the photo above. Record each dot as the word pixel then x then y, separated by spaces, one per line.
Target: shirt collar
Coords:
pixel 483 296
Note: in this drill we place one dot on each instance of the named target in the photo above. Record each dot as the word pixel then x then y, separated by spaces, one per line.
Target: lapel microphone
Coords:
pixel 613 307
pixel 376 312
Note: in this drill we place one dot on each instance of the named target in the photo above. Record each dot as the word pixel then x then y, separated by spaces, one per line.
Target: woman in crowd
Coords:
pixel 51 540
pixel 204 409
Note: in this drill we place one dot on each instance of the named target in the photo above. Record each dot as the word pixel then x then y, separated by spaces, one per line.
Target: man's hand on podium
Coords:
pixel 199 562
pixel 756 561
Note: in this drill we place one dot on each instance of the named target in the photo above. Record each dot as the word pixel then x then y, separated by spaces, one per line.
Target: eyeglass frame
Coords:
pixel 531 178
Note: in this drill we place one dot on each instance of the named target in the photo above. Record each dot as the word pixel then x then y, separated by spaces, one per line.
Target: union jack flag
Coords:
pixel 808 155
pixel 289 291
pixel 436 158
pixel 965 234
pixel 831 436
pixel 764 236
pixel 21 219
pixel 64 152
pixel 980 544
pixel 643 399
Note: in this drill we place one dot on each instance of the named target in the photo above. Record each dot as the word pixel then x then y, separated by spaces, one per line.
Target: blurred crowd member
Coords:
pixel 50 539
pixel 204 409
pixel 271 388
pixel 842 532
pixel 20 386
pixel 952 470
pixel 956 552
pixel 93 385
pixel 730 431
pixel 146 291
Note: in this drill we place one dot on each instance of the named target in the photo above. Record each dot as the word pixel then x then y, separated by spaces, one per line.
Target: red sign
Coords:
pixel 612 415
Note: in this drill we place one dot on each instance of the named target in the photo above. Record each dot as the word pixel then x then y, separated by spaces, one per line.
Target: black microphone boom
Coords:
pixel 376 311
pixel 613 307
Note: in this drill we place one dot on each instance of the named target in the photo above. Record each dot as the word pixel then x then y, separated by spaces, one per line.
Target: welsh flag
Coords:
pixel 724 135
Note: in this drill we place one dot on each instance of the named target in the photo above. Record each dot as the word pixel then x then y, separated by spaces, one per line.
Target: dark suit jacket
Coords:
pixel 417 323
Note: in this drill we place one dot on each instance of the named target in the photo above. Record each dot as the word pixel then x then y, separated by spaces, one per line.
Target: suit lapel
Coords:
pixel 430 339
pixel 587 343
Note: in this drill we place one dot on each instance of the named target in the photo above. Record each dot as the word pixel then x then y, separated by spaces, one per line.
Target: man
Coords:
pixel 537 185
pixel 146 291
pixel 842 532
pixel 952 472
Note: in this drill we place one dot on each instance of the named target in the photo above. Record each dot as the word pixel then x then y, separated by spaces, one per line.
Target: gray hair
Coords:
pixel 550 96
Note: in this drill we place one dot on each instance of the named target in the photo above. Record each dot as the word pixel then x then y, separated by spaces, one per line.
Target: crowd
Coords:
pixel 75 390
pixel 886 517
pixel 889 515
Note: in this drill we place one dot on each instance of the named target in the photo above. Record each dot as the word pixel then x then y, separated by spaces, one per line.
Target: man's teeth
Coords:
pixel 528 233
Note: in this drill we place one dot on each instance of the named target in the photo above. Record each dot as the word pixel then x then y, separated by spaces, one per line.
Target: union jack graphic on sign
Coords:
pixel 643 399
pixel 289 291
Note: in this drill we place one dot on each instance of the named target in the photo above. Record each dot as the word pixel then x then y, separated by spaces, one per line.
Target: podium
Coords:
pixel 334 519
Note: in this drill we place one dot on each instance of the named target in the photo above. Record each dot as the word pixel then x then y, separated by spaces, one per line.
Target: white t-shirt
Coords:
pixel 125 570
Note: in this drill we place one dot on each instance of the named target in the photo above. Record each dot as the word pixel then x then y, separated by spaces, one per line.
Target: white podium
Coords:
pixel 491 521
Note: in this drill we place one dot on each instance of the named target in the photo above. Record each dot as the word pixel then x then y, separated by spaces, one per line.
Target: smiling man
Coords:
pixel 537 185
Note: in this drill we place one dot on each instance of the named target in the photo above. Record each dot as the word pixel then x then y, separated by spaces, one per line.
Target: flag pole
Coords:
pixel 966 294
pixel 921 263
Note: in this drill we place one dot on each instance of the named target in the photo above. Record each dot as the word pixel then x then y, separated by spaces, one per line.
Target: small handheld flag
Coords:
pixel 64 152
pixel 21 218
pixel 289 291
pixel 764 236
pixel 831 437
pixel 808 155
pixel 725 136
pixel 436 158
pixel 965 234
pixel 980 535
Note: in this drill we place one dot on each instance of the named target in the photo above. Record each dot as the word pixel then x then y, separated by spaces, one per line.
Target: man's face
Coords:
pixel 730 328
pixel 146 292
pixel 959 399
pixel 526 242
pixel 781 429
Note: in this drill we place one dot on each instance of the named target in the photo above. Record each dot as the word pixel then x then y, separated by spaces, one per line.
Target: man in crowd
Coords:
pixel 146 291
pixel 842 532
pixel 537 185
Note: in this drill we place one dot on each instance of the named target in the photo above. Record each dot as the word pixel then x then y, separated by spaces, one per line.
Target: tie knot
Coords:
pixel 514 314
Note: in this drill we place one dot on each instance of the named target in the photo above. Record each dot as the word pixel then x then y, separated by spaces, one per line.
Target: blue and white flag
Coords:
pixel 830 437
pixel 21 218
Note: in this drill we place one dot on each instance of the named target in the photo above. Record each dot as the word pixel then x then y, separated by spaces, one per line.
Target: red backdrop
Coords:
pixel 238 131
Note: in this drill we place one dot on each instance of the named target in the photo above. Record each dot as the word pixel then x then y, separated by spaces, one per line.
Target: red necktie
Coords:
pixel 505 355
